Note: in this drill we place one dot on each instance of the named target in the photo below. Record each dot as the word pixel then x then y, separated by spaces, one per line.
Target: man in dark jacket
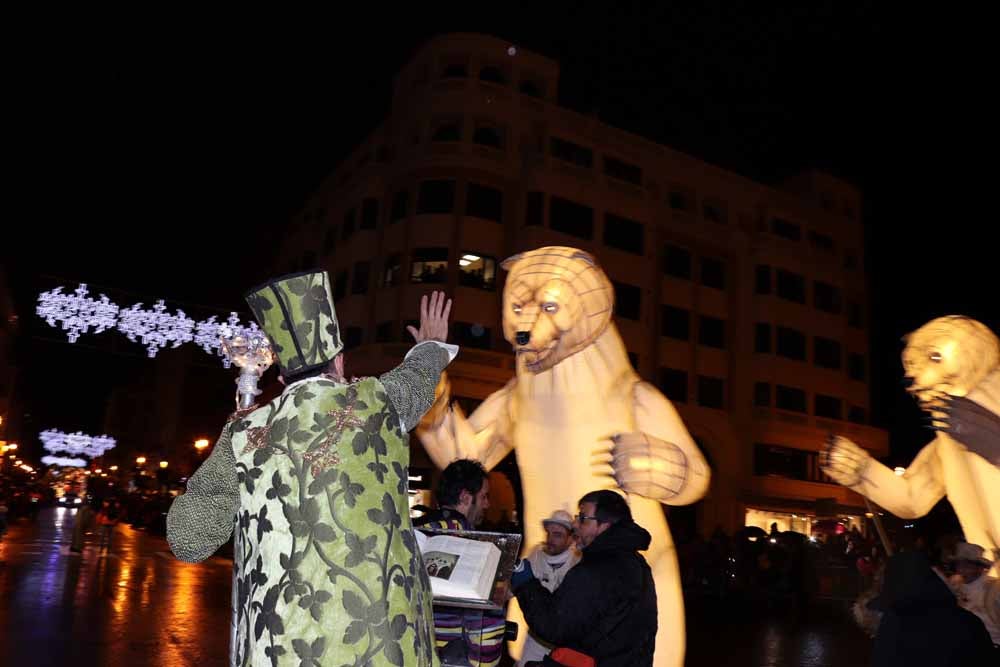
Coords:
pixel 922 623
pixel 606 605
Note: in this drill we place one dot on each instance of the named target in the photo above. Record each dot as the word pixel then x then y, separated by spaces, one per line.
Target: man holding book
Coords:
pixel 605 607
pixel 463 498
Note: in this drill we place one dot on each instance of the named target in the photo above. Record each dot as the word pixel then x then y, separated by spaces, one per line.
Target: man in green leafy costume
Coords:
pixel 314 486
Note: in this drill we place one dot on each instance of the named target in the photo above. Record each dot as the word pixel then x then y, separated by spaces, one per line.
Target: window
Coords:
pixel 330 240
pixel 762 394
pixel 466 334
pixel 530 88
pixel 857 415
pixel 826 353
pixel 489 135
pixel 623 233
pixel 359 285
pixel 713 273
pixel 400 206
pixel 492 75
pixel 855 316
pixel 454 71
pixel 675 323
pixel 449 130
pixel 710 392
pixel 340 286
pixel 714 212
pixel 385 332
pixel 826 297
pixel 436 197
pixel 571 218
pixel 392 270
pixel 828 406
pixel 762 338
pixel 822 242
pixel 856 366
pixel 674 384
pixel 353 337
pixel 679 201
pixel 791 286
pixel 676 262
pixel 475 270
pixel 369 213
pixel 482 201
pixel 623 171
pixel 711 331
pixel 347 229
pixel 628 300
pixel 762 284
pixel 534 209
pixel 791 343
pixel 573 153
pixel 790 398
pixel 430 265
pixel 785 229
pixel 772 461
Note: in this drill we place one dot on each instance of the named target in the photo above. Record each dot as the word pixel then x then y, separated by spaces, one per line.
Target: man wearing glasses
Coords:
pixel 606 605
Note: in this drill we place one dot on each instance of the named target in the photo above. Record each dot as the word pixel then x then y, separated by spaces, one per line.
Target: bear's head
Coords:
pixel 556 301
pixel 949 356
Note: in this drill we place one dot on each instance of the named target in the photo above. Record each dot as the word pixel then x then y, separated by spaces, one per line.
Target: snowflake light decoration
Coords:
pixel 76 443
pixel 63 461
pixel 156 328
pixel 77 312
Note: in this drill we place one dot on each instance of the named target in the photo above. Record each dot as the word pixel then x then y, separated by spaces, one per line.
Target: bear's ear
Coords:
pixel 584 257
pixel 509 262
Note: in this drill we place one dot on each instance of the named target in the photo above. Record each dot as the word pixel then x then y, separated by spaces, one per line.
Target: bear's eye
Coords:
pixel 935 357
pixel 516 307
pixel 550 307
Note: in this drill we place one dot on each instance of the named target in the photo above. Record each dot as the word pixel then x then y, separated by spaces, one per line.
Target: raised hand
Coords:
pixel 434 314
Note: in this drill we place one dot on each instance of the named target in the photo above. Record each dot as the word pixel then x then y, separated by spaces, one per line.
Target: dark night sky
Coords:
pixel 139 153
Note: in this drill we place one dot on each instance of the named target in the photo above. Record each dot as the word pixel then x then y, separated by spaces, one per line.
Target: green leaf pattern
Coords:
pixel 324 548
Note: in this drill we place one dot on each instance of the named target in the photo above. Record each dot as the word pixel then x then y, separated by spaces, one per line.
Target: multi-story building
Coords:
pixel 745 303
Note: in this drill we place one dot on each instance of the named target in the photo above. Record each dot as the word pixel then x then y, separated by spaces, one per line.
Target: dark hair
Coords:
pixel 609 507
pixel 461 475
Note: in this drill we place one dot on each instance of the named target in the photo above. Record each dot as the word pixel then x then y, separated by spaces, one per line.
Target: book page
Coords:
pixel 460 567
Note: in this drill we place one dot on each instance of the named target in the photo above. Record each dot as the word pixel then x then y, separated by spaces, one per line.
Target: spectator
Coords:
pixel 975 589
pixel 605 608
pixel 922 623
pixel 550 562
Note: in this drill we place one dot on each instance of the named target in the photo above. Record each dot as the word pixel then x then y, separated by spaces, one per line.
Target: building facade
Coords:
pixel 745 303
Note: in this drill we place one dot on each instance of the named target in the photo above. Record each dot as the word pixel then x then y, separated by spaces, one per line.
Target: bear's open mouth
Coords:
pixel 533 359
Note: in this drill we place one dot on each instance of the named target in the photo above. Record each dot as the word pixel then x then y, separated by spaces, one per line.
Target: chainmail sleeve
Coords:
pixel 201 520
pixel 410 386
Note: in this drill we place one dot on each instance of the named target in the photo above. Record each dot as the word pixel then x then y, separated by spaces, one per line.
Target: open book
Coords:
pixel 459 568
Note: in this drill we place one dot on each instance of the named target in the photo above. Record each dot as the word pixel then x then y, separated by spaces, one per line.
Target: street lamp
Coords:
pixel 113 468
pixel 163 464
pixel 140 460
pixel 200 444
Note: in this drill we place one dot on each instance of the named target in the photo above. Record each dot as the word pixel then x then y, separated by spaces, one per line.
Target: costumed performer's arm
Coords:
pixel 201 520
pixel 908 496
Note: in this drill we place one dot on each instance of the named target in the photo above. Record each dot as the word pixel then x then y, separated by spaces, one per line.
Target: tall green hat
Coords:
pixel 296 312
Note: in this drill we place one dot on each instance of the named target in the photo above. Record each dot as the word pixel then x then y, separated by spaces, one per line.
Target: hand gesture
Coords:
pixel 433 319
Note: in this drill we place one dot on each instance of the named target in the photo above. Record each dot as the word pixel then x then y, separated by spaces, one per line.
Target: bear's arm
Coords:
pixel 655 416
pixel 483 436
pixel 911 495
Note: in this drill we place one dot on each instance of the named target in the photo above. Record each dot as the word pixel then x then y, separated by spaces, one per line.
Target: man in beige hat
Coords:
pixel 550 561
pixel 975 589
